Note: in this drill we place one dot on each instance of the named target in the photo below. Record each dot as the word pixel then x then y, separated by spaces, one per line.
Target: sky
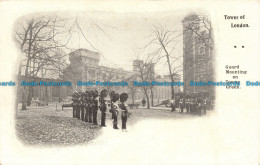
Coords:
pixel 118 35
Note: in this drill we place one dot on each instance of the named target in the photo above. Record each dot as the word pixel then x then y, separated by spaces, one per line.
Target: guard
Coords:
pixel 82 106
pixel 103 106
pixel 95 106
pixel 181 104
pixel 87 106
pixel 124 114
pixel 90 117
pixel 114 108
pixel 74 100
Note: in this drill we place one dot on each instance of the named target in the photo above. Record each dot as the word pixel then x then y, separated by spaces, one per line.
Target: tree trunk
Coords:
pixel 172 91
pixel 46 96
pixel 151 96
pixel 24 98
pixel 147 98
pixel 18 88
pixel 29 98
pixel 133 97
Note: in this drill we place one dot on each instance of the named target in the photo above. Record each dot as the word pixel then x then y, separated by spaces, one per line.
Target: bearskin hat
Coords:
pixel 103 93
pixel 115 97
pixel 76 94
pixel 94 93
pixel 111 94
pixel 123 97
pixel 90 93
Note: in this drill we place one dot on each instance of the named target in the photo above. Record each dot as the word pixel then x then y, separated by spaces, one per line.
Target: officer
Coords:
pixel 111 95
pixel 103 106
pixel 124 114
pixel 114 108
pixel 87 106
pixel 187 103
pixel 74 104
pixel 181 104
pixel 82 106
pixel 90 115
pixel 95 106
pixel 77 105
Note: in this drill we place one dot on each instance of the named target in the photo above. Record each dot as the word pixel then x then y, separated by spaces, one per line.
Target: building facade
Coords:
pixel 198 54
pixel 84 66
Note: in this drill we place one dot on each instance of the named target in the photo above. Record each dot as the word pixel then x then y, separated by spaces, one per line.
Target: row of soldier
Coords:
pixel 194 104
pixel 86 105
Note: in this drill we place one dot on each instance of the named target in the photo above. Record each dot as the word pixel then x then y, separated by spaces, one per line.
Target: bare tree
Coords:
pixel 165 40
pixel 39 37
pixel 145 69
pixel 201 26
pixel 131 87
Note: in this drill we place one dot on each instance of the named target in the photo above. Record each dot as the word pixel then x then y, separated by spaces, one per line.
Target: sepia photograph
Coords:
pixel 82 72
pixel 133 82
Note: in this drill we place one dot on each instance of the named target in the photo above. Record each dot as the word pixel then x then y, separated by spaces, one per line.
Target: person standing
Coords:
pixel 74 100
pixel 82 106
pixel 124 113
pixel 77 105
pixel 187 104
pixel 95 106
pixel 115 109
pixel 87 106
pixel 143 102
pixel 103 106
pixel 91 105
pixel 173 105
pixel 181 104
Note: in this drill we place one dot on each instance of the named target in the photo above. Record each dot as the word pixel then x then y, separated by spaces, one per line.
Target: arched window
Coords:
pixel 202 50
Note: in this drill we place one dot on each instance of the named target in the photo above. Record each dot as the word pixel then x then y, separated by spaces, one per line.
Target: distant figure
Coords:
pixel 208 103
pixel 37 101
pixel 181 104
pixel 187 103
pixel 173 105
pixel 143 102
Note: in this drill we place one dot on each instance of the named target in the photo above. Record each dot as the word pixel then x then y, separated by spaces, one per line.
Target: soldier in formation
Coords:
pixel 114 108
pixel 103 106
pixel 124 113
pixel 86 105
pixel 95 106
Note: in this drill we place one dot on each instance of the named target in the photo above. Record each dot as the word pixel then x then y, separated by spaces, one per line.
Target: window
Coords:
pixel 202 50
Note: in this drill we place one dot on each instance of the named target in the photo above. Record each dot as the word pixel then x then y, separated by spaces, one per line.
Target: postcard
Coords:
pixel 130 82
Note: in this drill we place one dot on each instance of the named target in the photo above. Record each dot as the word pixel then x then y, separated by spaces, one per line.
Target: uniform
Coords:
pixel 78 105
pixel 114 108
pixel 90 113
pixel 82 106
pixel 187 104
pixel 103 106
pixel 95 107
pixel 124 113
pixel 181 104
pixel 74 99
pixel 87 106
pixel 115 111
